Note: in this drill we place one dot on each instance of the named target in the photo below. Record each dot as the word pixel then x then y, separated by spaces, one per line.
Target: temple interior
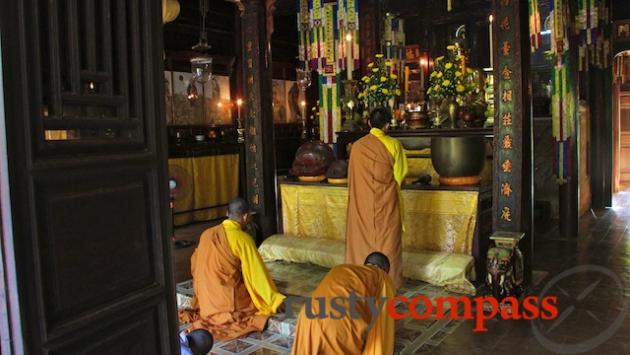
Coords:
pixel 130 128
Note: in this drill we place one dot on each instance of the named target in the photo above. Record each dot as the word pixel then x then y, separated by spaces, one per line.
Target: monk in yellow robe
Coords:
pixel 233 290
pixel 377 169
pixel 349 327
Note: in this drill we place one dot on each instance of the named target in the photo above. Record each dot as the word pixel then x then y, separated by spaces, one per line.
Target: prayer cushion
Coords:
pixel 452 271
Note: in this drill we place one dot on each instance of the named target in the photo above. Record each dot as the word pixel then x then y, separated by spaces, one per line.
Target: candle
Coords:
pixel 303 105
pixel 491 18
pixel 349 55
pixel 423 64
pixel 239 102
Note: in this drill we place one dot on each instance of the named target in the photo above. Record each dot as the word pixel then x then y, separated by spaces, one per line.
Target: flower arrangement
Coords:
pixel 450 77
pixel 380 85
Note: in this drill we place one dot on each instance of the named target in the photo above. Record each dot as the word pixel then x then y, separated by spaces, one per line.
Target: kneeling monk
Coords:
pixel 233 289
pixel 363 327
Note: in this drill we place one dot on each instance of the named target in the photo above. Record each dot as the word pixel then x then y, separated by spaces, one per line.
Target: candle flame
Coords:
pixel 349 37
pixel 491 18
pixel 303 103
pixel 239 102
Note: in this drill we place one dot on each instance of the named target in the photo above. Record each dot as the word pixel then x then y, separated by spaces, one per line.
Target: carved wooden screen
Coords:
pixel 92 74
pixel 86 140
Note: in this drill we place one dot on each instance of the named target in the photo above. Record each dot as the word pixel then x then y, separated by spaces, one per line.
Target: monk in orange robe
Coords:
pixel 364 328
pixel 233 290
pixel 377 169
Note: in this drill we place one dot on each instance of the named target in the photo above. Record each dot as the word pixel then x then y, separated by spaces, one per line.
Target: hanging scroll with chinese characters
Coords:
pixel 508 101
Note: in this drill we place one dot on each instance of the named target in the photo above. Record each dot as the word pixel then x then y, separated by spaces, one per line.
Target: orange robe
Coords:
pixel 346 335
pixel 374 211
pixel 233 290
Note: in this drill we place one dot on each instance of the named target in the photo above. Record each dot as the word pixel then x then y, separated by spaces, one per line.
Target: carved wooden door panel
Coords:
pixel 87 167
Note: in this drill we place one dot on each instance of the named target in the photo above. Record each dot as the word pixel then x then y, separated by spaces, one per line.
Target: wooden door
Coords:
pixel 86 147
pixel 624 139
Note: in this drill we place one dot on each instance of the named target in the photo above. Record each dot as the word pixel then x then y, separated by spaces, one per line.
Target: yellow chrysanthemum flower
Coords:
pixel 446 82
pixel 373 87
pixel 375 70
pixel 439 74
pixel 383 79
pixel 451 47
pixel 460 88
pixel 439 59
pixel 458 74
pixel 394 76
pixel 365 78
pixel 389 63
pixel 448 65
pixel 385 91
pixel 370 65
pixel 398 93
pixel 379 56
pixel 433 74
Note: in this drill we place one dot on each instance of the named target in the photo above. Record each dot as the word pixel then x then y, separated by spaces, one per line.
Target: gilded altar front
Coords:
pixel 435 220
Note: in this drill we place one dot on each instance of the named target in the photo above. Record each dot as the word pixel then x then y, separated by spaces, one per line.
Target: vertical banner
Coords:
pixel 534 25
pixel 509 113
pixel 328 42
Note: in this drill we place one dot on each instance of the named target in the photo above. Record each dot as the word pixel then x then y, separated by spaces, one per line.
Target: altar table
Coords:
pixel 440 240
pixel 207 183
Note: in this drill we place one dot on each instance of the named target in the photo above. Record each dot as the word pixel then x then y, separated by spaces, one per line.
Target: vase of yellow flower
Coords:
pixel 379 88
pixel 450 82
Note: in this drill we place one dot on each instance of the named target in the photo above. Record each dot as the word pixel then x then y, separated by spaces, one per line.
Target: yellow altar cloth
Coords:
pixel 436 220
pixel 437 241
pixel 211 180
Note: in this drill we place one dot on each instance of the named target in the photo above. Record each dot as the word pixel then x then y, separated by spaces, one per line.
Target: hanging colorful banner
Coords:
pixel 593 26
pixel 563 111
pixel 535 34
pixel 329 44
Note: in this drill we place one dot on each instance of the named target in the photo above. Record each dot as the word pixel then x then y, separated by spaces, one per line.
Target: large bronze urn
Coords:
pixel 458 160
pixel 311 161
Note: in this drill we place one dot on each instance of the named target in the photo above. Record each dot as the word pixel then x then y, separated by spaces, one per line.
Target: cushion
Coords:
pixel 452 271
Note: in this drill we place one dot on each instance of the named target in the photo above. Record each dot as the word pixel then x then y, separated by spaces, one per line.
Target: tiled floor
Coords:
pixel 593 302
pixel 301 280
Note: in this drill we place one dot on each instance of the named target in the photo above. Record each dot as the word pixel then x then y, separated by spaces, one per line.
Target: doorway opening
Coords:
pixel 621 124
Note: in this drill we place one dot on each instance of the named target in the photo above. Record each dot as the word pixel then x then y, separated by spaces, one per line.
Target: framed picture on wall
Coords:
pixel 621 31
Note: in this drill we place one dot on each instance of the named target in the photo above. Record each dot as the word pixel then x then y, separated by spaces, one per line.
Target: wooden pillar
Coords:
pixel 258 121
pixel 370 25
pixel 513 181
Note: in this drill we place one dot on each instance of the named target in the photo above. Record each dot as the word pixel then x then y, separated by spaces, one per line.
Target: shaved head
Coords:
pixel 237 208
pixel 200 341
pixel 379 260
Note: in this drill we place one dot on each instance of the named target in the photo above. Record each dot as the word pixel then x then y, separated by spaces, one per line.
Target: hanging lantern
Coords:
pixel 170 10
pixel 201 68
